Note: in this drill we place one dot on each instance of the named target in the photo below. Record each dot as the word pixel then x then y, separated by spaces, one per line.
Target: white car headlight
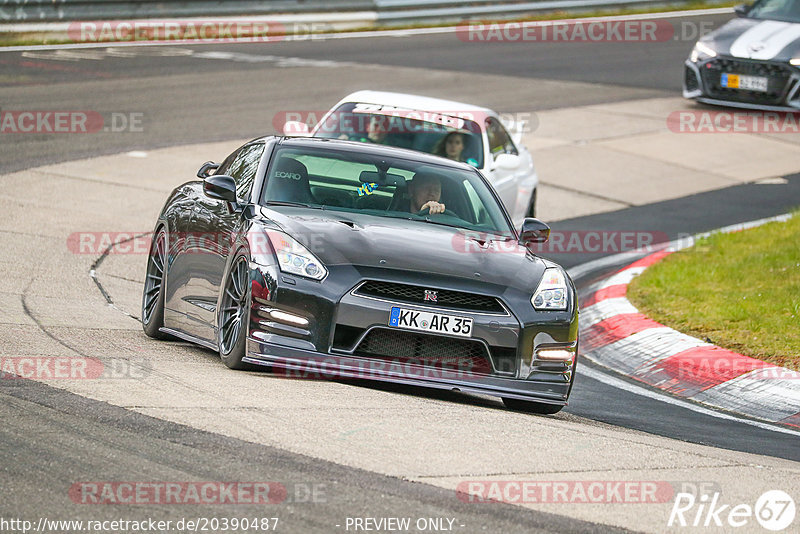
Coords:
pixel 294 258
pixel 552 291
pixel 702 51
pixel 795 61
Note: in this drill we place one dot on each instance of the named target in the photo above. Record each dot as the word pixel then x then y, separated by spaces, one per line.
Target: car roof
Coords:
pixel 414 102
pixel 366 148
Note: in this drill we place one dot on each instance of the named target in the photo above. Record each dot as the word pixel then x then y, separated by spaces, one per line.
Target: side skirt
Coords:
pixel 188 337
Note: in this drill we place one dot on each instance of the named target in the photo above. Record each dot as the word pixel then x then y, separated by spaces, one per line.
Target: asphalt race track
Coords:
pixel 369 450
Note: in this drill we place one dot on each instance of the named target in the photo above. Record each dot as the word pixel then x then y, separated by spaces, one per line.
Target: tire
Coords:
pixel 234 315
pixel 532 206
pixel 153 292
pixel 531 406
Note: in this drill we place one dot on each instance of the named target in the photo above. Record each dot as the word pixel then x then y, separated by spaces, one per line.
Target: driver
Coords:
pixel 376 132
pixel 424 191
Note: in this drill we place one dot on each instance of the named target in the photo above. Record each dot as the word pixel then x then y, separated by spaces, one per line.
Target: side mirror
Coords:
pixel 742 10
pixel 220 187
pixel 296 129
pixel 533 231
pixel 207 167
pixel 507 162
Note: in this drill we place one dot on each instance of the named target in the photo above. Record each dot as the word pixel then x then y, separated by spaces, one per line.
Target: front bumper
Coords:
pixel 305 364
pixel 340 321
pixel 701 82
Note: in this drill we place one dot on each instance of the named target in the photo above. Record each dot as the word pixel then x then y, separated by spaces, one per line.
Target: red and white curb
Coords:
pixel 615 335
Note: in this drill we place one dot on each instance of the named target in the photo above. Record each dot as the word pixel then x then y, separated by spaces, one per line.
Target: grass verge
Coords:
pixel 740 291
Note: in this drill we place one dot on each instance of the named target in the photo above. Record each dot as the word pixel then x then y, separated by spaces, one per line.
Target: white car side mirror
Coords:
pixel 296 129
pixel 507 162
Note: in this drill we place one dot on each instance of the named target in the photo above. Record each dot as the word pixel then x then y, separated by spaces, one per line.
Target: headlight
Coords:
pixel 552 291
pixel 795 62
pixel 294 258
pixel 702 51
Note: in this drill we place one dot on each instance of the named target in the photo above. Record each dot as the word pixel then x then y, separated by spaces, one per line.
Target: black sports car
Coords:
pixel 752 61
pixel 337 259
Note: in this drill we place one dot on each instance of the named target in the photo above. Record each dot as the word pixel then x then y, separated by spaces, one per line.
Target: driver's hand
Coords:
pixel 433 207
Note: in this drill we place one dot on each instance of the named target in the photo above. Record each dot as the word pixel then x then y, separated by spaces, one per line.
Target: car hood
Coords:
pixel 757 39
pixel 399 244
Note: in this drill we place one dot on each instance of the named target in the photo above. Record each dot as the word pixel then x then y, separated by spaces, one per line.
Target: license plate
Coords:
pixel 741 81
pixel 430 322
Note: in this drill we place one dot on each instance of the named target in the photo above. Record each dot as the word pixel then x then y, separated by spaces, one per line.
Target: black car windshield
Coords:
pixel 784 10
pixel 452 134
pixel 383 186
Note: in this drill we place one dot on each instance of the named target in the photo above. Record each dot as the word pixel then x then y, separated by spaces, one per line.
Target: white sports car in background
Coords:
pixel 471 134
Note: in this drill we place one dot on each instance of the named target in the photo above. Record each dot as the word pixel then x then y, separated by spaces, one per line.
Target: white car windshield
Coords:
pixel 784 10
pixel 383 186
pixel 452 134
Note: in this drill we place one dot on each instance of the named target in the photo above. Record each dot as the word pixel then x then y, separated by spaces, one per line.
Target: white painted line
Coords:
pixel 615 259
pixel 643 392
pixel 348 34
pixel 746 225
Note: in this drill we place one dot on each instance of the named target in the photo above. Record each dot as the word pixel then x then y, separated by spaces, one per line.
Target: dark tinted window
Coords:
pixel 244 169
pixel 242 166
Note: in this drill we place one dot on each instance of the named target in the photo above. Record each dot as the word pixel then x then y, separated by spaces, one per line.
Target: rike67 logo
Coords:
pixel 774 510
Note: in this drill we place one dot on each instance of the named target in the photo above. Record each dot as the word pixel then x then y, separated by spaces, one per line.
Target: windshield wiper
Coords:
pixel 291 203
pixel 411 217
pixel 431 221
pixel 487 233
pixel 426 219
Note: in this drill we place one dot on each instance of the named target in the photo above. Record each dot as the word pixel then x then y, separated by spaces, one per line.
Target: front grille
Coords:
pixel 427 350
pixel 778 75
pixel 444 298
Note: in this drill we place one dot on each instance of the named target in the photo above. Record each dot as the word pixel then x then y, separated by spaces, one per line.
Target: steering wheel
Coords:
pixel 426 211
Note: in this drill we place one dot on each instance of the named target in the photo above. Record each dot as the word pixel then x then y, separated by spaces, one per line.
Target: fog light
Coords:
pixel 290 318
pixel 554 355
